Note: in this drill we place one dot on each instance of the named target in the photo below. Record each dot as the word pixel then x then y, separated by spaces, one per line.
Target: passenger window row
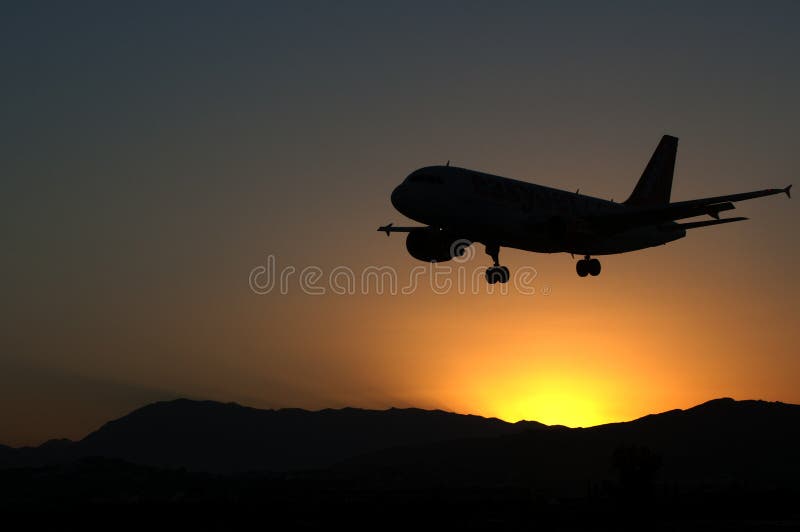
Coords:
pixel 506 193
pixel 425 178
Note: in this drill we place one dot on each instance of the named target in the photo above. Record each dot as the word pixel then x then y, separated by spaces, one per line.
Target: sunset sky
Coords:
pixel 154 154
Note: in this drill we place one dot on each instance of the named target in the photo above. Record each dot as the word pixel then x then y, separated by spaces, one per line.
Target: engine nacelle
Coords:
pixel 433 245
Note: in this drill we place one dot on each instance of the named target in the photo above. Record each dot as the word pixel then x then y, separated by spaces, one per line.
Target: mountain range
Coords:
pixel 755 443
pixel 227 437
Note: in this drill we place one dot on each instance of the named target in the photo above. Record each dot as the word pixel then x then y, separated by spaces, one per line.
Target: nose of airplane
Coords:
pixel 397 197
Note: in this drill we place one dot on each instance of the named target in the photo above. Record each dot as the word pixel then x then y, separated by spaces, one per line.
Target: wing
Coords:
pixel 640 216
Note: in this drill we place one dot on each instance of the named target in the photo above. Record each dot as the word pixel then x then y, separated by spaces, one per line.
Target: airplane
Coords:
pixel 460 206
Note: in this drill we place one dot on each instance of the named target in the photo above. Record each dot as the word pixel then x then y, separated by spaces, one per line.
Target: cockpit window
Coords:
pixel 425 178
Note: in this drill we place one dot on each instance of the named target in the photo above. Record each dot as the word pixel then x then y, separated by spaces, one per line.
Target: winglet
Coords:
pixel 788 191
pixel 386 228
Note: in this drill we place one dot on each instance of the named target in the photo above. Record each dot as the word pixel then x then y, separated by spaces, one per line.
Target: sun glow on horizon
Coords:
pixel 553 400
pixel 540 379
pixel 554 407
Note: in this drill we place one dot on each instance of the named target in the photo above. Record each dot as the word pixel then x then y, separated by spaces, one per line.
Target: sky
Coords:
pixel 156 155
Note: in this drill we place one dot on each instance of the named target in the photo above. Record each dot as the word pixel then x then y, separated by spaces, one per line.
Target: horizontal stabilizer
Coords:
pixel 715 209
pixel 695 225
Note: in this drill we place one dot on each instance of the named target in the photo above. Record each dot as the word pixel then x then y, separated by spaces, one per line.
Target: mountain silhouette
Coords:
pixel 207 465
pixel 750 442
pixel 227 437
pixel 721 443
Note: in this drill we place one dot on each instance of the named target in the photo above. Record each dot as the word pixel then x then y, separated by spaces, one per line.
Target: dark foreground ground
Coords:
pixel 97 493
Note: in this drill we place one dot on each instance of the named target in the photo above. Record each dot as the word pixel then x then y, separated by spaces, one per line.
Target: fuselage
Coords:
pixel 510 213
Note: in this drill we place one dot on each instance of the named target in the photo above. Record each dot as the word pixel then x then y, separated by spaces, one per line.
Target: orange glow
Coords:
pixel 542 358
pixel 659 330
pixel 550 398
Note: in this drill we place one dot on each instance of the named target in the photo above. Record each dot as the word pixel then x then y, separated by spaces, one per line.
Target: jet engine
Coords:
pixel 434 245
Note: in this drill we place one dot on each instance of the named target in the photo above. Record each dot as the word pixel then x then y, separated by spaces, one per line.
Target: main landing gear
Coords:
pixel 587 266
pixel 496 273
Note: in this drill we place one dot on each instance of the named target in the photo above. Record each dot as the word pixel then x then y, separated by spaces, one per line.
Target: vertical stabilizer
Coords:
pixel 655 185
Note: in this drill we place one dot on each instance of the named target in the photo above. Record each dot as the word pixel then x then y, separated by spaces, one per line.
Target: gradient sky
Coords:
pixel 153 154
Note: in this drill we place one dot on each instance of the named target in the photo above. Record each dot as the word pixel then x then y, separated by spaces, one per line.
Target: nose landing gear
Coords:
pixel 496 273
pixel 587 266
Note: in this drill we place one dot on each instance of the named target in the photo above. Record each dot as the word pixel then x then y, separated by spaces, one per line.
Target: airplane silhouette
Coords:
pixel 460 206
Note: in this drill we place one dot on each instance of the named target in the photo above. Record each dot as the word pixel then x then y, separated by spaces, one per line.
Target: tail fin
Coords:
pixel 655 185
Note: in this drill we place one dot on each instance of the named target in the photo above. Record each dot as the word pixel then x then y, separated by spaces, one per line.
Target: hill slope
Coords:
pixel 750 444
pixel 217 437
pixel 718 442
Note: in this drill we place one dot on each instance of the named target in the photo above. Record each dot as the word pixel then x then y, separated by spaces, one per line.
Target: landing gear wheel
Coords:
pixel 582 267
pixel 506 274
pixel 497 274
pixel 594 267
